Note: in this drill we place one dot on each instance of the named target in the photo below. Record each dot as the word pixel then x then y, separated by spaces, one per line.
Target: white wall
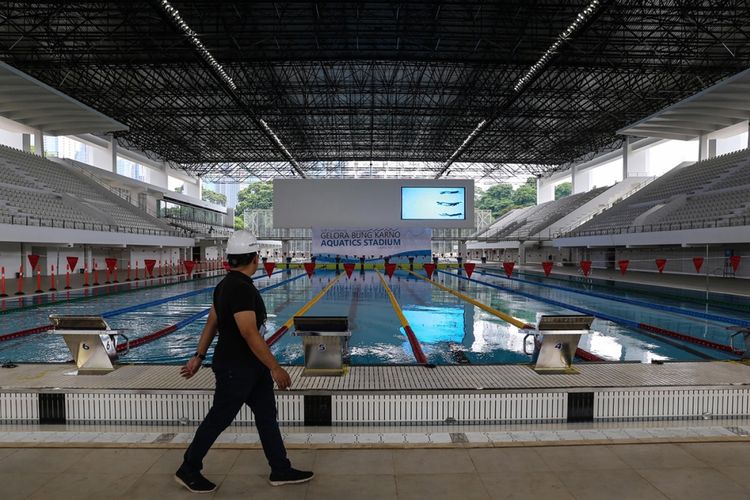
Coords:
pixel 300 203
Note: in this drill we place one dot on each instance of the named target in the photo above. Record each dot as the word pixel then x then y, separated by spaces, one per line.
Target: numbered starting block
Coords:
pixel 556 342
pixel 325 340
pixel 90 340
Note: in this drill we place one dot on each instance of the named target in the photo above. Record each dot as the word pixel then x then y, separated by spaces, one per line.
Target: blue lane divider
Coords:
pixel 158 302
pixel 195 317
pixel 636 302
pixel 614 319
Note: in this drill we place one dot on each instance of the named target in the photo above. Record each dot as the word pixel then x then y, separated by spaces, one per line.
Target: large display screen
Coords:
pixel 433 203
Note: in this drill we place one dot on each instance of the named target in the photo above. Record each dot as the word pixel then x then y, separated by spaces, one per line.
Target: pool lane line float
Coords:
pixel 416 347
pixel 286 326
pixel 636 302
pixel 505 317
pixel 614 319
pixel 181 324
pixel 115 312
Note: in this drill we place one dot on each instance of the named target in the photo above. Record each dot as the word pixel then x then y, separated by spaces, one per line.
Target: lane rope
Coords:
pixel 636 302
pixel 416 347
pixel 286 326
pixel 614 319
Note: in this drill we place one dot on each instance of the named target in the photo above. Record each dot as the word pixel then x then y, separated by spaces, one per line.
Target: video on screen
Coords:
pixel 433 203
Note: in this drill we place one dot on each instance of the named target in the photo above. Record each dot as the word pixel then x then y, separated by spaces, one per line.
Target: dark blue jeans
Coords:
pixel 253 386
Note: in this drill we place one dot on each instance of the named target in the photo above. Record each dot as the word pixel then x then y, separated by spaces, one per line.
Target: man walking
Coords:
pixel 244 367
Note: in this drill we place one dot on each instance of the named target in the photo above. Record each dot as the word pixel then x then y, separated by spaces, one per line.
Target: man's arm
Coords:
pixel 207 336
pixel 246 323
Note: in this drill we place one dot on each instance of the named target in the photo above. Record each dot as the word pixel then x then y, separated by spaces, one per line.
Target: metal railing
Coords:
pixel 665 226
pixel 34 221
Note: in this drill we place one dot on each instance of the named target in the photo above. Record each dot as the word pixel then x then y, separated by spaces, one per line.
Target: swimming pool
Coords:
pixel 449 330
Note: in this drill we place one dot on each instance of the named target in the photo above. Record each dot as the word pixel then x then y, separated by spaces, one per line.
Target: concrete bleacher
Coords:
pixel 707 193
pixel 548 213
pixel 36 191
pixel 523 223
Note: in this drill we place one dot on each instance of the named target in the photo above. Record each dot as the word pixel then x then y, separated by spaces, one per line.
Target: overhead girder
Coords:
pixel 380 81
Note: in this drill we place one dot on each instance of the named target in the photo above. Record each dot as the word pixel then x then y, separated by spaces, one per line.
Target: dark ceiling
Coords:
pixel 342 84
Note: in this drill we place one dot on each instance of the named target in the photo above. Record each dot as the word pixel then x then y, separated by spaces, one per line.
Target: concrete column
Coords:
pixel 26 142
pixel 545 191
pixel 634 163
pixel 573 179
pixel 626 152
pixel 581 181
pixel 39 142
pixel 462 248
pixel 702 147
pixel 112 149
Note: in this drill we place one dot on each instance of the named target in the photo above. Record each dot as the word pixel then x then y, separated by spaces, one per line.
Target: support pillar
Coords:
pixel 545 191
pixel 711 148
pixel 39 143
pixel 112 149
pixel 702 147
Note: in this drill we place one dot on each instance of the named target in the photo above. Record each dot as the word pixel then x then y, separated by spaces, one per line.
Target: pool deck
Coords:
pixel 380 395
pixel 395 378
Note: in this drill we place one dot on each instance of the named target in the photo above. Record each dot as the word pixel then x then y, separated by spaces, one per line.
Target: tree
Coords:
pixel 214 197
pixel 501 197
pixel 180 188
pixel 239 223
pixel 498 199
pixel 525 195
pixel 563 190
pixel 256 196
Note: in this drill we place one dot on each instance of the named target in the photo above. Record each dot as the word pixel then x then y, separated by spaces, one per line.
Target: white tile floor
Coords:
pixel 297 437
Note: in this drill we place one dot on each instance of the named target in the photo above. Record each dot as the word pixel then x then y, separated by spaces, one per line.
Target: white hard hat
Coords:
pixel 242 242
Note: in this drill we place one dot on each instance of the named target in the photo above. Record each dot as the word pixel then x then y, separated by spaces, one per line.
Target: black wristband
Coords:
pixel 199 355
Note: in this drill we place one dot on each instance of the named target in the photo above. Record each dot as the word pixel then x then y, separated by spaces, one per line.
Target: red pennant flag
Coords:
pixel 586 267
pixel 189 265
pixel 429 269
pixel 390 268
pixel 309 268
pixel 72 261
pixel 226 266
pixel 508 266
pixel 623 266
pixel 349 268
pixel 469 268
pixel 149 263
pixel 698 263
pixel 111 263
pixel 547 266
pixel 734 260
pixel 269 267
pixel 33 260
pixel 661 264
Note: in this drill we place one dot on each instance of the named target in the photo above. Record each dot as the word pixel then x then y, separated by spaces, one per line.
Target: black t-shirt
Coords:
pixel 236 293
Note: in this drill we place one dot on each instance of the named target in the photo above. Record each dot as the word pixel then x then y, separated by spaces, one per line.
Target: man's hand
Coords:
pixel 191 367
pixel 281 377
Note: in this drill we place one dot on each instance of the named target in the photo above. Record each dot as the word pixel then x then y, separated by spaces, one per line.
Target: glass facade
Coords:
pixel 173 210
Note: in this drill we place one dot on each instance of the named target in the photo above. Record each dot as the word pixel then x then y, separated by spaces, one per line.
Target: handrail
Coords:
pixel 36 221
pixel 743 220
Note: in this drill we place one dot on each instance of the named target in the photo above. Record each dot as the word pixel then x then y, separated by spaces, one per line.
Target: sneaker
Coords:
pixel 291 476
pixel 194 482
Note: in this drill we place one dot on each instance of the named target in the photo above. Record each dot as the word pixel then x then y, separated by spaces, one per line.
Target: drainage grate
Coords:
pixel 51 408
pixel 318 409
pixel 580 407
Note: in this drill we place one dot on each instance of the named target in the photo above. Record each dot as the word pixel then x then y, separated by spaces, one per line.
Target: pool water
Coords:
pixel 450 330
